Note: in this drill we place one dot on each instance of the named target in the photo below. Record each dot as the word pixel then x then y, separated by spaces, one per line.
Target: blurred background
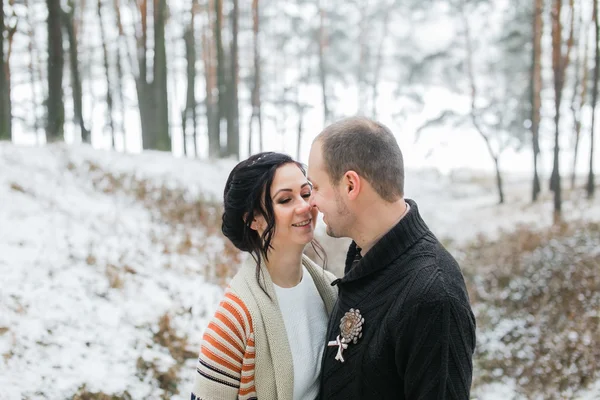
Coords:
pixel 121 119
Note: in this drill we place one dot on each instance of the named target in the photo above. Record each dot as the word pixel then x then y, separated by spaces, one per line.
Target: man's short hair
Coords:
pixel 367 147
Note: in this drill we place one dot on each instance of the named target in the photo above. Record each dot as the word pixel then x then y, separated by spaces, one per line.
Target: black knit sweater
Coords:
pixel 419 329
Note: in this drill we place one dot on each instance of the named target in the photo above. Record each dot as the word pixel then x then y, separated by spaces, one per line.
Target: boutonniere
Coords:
pixel 350 331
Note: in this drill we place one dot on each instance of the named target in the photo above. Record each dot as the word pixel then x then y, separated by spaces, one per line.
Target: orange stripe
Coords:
pixel 241 304
pixel 230 324
pixel 219 360
pixel 224 349
pixel 244 392
pixel 247 379
pixel 224 335
pixel 248 368
pixel 236 314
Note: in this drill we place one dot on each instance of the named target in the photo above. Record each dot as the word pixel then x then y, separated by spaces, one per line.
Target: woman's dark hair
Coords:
pixel 246 195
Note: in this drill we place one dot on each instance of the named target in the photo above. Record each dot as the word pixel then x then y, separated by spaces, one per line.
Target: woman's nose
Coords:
pixel 303 207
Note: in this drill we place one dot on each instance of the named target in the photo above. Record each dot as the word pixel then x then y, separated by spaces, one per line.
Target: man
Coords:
pixel 402 327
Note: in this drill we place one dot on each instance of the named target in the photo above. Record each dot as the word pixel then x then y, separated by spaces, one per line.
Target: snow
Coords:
pixel 87 274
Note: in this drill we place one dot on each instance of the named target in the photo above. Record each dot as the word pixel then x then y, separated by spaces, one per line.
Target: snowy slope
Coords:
pixel 91 262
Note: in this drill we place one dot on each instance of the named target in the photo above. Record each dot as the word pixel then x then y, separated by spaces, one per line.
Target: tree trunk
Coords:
pixel 233 131
pixel 322 65
pixel 536 89
pixel 474 113
pixel 363 57
pixel 189 113
pixel 109 98
pixel 579 95
pixel 55 105
pixel 590 187
pixel 152 94
pixel 499 184
pixel 5 114
pixel 32 70
pixel 119 88
pixel 69 24
pixel 255 95
pixel 210 102
pixel 378 64
pixel 159 83
pixel 11 33
pixel 300 109
pixel 221 76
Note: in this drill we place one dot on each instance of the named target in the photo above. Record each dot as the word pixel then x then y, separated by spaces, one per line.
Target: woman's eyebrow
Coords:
pixel 290 190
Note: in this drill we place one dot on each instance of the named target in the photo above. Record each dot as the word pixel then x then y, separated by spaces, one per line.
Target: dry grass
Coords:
pixel 115 276
pixel 166 336
pixel 17 188
pixel 538 295
pixel 183 213
pixel 84 394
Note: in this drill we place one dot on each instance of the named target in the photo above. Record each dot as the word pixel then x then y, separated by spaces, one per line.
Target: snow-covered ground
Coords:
pixel 87 272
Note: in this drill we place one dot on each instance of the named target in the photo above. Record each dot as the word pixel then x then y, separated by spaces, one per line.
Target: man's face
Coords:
pixel 328 199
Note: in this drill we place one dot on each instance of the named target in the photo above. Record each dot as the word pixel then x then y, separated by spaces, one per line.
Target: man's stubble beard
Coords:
pixel 343 217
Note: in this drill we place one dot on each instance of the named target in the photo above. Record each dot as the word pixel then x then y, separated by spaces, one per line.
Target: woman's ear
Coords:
pixel 258 224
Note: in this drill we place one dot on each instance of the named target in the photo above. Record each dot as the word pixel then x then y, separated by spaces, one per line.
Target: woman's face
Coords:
pixel 295 219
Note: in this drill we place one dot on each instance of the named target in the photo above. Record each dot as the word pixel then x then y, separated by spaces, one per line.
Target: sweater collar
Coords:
pixel 393 244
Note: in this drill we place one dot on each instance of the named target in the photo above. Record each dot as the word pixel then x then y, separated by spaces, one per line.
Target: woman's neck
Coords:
pixel 285 267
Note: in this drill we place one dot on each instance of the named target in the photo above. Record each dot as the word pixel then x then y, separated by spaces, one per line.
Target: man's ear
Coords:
pixel 352 184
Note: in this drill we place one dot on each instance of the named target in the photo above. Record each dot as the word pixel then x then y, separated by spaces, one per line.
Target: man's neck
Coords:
pixel 376 224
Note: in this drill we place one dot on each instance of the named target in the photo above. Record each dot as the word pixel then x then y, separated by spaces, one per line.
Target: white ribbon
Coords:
pixel 342 345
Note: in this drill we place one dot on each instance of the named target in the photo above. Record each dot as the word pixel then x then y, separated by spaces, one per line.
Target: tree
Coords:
pixel 233 131
pixel 152 90
pixel 68 20
pixel 210 83
pixel 580 84
pixel 221 75
pixel 5 117
pixel 256 86
pixel 323 70
pixel 590 182
pixel 536 90
pixel 121 43
pixel 54 102
pixel 559 66
pixel 34 72
pixel 189 113
pixel 109 97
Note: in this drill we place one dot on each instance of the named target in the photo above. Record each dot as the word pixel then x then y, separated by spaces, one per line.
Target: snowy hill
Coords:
pixel 111 263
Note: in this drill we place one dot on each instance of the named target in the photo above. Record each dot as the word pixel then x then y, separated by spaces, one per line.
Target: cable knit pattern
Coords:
pixel 245 353
pixel 419 329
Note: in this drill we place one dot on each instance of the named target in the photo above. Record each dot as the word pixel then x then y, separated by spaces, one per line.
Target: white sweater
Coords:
pixel 305 320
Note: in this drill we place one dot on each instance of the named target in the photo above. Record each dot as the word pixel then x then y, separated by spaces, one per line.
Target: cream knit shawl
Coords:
pixel 274 374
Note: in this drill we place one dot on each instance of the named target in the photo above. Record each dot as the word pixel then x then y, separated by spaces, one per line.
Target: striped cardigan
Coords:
pixel 245 353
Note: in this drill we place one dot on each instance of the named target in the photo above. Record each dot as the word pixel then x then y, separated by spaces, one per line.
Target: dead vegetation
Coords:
pixel 536 296
pixel 178 347
pixel 183 213
pixel 84 394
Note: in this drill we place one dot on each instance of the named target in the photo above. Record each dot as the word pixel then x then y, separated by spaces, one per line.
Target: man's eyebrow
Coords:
pixel 290 190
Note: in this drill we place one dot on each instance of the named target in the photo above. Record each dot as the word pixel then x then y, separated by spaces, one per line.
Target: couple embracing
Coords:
pixel 397 325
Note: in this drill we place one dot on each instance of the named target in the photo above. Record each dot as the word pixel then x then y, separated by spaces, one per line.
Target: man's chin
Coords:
pixel 330 232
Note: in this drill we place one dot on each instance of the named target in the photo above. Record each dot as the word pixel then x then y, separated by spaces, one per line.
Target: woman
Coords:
pixel 267 336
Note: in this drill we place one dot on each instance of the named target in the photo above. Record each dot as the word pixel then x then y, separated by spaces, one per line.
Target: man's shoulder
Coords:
pixel 432 274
